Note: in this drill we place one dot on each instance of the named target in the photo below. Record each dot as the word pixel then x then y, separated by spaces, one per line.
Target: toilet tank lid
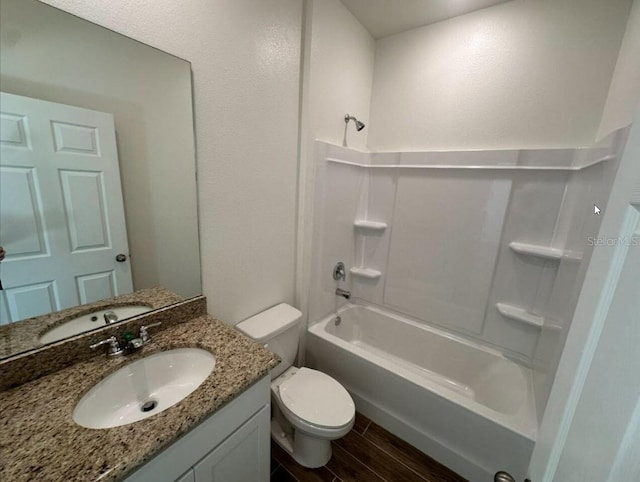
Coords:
pixel 270 322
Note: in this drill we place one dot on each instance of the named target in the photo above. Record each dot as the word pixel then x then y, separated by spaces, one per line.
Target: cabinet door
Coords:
pixel 243 457
pixel 188 476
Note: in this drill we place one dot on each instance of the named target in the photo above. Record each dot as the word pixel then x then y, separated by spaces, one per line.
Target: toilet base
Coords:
pixel 308 451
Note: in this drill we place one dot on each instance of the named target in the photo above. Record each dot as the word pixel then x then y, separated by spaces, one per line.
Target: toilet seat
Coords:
pixel 317 399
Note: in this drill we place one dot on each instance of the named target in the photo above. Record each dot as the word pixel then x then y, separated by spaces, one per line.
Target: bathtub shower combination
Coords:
pixel 450 398
pixel 463 270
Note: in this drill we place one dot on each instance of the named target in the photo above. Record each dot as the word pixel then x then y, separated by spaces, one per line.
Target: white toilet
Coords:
pixel 309 408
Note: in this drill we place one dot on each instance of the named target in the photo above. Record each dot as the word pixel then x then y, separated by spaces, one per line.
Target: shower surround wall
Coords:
pixel 492 245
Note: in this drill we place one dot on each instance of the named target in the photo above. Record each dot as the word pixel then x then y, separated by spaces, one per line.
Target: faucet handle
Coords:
pixel 144 334
pixel 114 347
pixel 339 272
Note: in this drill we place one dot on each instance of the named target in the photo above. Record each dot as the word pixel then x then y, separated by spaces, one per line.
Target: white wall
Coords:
pixel 624 93
pixel 522 74
pixel 245 58
pixel 51 55
pixel 341 73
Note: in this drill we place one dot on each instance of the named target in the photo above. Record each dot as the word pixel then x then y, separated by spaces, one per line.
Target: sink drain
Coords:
pixel 148 406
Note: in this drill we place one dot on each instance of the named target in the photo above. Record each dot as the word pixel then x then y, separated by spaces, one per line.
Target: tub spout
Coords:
pixel 344 293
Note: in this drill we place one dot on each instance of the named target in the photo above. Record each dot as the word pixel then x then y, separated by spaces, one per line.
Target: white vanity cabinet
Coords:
pixel 241 457
pixel 233 445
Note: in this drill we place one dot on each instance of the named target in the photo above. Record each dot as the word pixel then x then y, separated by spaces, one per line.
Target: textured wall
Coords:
pixel 341 73
pixel 245 58
pixel 624 93
pixel 518 75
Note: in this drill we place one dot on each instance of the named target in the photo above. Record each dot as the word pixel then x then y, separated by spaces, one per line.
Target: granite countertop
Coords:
pixel 40 441
pixel 25 335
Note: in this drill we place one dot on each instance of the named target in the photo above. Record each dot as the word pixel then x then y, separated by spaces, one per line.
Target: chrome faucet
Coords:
pixel 110 317
pixel 143 337
pixel 113 349
pixel 133 344
pixel 344 293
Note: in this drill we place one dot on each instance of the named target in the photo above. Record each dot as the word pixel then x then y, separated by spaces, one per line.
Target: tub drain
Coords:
pixel 148 406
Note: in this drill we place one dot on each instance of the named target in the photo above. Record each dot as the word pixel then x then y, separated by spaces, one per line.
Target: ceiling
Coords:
pixel 387 17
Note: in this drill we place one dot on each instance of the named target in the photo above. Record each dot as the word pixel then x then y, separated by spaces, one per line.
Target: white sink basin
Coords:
pixel 144 388
pixel 90 321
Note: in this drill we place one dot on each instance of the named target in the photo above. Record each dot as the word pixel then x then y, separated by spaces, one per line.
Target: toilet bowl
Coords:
pixel 309 408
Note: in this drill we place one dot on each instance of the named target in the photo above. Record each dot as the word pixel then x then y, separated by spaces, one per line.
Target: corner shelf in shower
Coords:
pixel 367 273
pixel 371 226
pixel 519 314
pixel 536 250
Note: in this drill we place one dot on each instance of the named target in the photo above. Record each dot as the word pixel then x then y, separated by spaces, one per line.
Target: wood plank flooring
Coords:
pixel 367 453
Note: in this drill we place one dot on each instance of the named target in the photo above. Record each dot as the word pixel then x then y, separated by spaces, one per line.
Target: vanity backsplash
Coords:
pixel 23 367
pixel 25 335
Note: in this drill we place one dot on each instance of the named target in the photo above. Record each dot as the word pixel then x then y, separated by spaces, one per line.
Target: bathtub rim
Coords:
pixel 523 422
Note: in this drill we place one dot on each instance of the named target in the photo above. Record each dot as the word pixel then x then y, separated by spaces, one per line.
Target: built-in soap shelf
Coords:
pixel 538 251
pixel 371 226
pixel 366 227
pixel 367 273
pixel 517 313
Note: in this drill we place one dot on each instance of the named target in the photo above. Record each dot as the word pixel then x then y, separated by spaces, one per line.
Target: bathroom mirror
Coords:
pixel 97 168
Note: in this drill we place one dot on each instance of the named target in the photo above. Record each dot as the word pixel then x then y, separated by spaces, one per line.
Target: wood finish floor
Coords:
pixel 368 453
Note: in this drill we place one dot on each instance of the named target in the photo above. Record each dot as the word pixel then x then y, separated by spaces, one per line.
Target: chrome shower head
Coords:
pixel 359 125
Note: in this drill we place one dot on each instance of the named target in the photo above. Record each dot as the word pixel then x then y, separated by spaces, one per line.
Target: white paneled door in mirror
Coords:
pixel 62 218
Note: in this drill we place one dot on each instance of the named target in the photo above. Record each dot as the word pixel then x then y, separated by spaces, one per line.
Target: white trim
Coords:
pixel 609 287
pixel 306 177
pixel 635 197
pixel 627 461
pixel 474 167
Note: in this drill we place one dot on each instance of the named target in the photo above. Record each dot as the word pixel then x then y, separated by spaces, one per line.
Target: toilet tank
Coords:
pixel 277 329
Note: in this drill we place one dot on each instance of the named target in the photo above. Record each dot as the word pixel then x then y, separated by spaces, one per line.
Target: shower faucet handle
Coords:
pixel 339 272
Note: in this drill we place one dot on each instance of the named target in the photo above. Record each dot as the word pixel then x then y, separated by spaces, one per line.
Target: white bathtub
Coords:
pixel 466 405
